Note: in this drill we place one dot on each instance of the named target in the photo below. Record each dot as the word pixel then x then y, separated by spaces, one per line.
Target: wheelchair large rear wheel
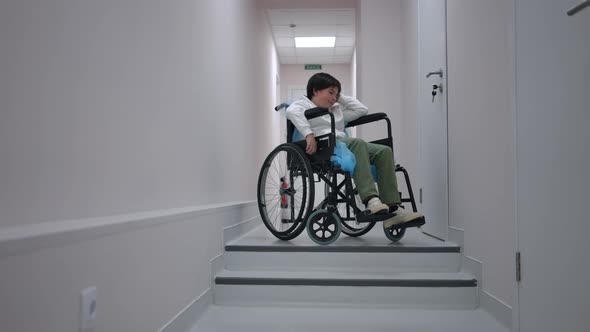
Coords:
pixel 285 191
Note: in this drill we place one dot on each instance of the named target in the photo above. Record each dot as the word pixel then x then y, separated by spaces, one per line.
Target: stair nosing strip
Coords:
pixel 270 248
pixel 431 283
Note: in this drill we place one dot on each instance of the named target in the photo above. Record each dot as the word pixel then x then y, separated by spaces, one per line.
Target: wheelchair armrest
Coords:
pixel 316 112
pixel 367 119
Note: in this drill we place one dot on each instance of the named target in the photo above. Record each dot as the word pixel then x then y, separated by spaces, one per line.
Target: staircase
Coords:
pixel 418 276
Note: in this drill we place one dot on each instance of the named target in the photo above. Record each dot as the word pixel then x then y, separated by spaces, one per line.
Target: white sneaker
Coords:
pixel 401 217
pixel 375 206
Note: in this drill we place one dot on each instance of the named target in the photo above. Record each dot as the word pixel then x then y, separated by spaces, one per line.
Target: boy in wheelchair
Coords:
pixel 323 90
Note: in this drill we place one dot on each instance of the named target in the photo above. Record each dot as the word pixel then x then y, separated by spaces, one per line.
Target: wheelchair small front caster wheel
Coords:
pixel 394 234
pixel 323 227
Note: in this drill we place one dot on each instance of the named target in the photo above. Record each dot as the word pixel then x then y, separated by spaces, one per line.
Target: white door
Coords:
pixel 433 182
pixel 553 165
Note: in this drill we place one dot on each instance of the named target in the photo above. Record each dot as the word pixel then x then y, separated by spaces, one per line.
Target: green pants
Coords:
pixel 382 157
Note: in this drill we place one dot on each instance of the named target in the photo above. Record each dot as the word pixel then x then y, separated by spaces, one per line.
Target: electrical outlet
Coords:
pixel 87 309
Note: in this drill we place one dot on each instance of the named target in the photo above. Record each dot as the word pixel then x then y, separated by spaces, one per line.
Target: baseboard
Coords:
pixel 217 266
pixel 233 232
pixel 186 318
pixel 27 238
pixel 498 309
pixel 456 236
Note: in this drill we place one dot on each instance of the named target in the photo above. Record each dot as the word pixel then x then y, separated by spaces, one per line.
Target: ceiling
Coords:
pixel 313 23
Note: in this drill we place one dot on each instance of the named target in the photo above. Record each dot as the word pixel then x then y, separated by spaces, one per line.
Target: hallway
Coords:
pixel 132 135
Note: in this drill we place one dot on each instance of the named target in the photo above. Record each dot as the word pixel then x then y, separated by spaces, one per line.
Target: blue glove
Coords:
pixel 344 158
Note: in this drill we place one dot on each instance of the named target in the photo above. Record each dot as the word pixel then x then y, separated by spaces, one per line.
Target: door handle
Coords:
pixel 578 8
pixel 438 72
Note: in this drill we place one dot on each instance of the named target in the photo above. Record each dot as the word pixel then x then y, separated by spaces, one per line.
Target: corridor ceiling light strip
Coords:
pixel 315 42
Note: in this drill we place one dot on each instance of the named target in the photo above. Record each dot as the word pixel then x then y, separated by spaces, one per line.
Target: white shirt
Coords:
pixel 346 109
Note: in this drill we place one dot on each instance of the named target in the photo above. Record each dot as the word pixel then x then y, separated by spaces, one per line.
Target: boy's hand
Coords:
pixel 311 144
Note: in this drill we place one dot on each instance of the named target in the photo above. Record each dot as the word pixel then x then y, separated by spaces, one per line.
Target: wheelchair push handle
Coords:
pixel 281 106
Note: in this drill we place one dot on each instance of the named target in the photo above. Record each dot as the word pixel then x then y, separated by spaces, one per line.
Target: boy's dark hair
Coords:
pixel 321 81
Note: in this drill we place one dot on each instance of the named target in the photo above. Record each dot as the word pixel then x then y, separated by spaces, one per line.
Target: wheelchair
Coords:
pixel 286 188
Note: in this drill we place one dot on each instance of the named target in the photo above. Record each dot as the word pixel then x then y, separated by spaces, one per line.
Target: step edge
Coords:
pixel 355 249
pixel 431 283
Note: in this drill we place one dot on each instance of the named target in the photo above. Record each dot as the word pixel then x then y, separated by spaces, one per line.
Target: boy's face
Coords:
pixel 326 97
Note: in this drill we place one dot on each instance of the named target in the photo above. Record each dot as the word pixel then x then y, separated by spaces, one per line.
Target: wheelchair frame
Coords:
pixel 321 165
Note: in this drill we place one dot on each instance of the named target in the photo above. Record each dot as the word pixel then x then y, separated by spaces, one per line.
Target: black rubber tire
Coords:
pixel 394 234
pixel 323 227
pixel 286 160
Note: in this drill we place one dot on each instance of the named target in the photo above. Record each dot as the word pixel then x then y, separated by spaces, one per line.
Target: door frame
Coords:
pixel 445 81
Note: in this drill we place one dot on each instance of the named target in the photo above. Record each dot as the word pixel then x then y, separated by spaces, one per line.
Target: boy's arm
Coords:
pixel 296 114
pixel 352 109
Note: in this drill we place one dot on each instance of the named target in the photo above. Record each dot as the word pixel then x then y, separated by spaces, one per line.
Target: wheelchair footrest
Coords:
pixel 414 223
pixel 366 217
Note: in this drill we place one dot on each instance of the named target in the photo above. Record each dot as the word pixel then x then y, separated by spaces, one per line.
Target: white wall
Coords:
pixel 481 136
pixel 553 157
pixel 144 274
pixel 297 75
pixel 353 74
pixel 378 65
pixel 409 150
pixel 119 106
pixel 113 107
pixel 308 4
pixel 480 117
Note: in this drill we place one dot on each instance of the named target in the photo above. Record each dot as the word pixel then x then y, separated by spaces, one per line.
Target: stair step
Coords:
pixel 323 278
pixel 371 252
pixel 391 262
pixel 343 248
pixel 311 318
pixel 260 240
pixel 397 290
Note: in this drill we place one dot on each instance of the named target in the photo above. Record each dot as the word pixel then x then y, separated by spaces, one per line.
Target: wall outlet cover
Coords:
pixel 87 309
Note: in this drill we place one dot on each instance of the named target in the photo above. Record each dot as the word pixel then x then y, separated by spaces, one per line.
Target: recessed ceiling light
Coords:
pixel 315 41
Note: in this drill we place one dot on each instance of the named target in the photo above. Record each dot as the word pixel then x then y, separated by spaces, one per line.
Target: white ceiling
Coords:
pixel 313 23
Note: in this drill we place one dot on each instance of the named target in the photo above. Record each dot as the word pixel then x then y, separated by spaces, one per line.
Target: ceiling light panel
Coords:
pixel 315 41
